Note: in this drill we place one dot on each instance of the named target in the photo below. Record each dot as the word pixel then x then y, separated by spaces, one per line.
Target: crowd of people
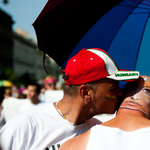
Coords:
pixel 91 87
pixel 29 97
pixel 48 83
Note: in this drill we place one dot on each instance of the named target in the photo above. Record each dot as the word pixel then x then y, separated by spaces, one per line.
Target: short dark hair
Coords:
pixel 71 90
pixel 38 86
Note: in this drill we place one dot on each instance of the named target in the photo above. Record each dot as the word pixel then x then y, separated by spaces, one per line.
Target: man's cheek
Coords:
pixel 110 97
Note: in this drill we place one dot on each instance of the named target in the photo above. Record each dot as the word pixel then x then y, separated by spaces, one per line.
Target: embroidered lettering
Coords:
pixel 125 74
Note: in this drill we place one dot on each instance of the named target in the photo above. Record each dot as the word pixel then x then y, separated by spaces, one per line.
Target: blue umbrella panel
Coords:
pixel 124 32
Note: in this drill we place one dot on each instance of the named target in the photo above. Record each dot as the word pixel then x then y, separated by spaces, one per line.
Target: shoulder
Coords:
pixel 93 122
pixel 79 142
pixel 15 128
pixel 17 122
pixel 20 128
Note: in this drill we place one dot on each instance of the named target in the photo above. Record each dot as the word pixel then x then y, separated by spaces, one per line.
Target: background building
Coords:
pixel 18 52
pixel 6 41
pixel 27 59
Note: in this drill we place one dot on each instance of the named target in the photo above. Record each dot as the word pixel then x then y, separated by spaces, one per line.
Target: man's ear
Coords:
pixel 85 93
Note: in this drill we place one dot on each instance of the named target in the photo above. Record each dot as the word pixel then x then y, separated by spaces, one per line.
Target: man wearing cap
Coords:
pixel 91 88
pixel 50 83
pixel 129 130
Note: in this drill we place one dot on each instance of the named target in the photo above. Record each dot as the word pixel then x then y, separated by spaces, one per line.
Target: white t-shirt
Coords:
pixel 41 128
pixel 29 105
pixel 107 138
pixel 2 118
pixel 53 95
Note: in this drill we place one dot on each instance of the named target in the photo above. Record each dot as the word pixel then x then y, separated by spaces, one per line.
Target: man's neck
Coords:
pixel 127 113
pixel 128 120
pixel 35 101
pixel 72 111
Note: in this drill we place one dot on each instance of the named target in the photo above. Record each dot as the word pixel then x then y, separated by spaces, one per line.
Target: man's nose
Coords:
pixel 135 97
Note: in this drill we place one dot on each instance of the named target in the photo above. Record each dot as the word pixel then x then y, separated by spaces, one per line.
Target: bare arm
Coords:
pixel 77 143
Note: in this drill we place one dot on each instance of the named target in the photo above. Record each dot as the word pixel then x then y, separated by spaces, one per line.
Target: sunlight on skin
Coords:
pixel 140 95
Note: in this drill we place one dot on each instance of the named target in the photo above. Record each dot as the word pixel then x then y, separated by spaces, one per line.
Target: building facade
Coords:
pixel 18 52
pixel 6 41
pixel 27 59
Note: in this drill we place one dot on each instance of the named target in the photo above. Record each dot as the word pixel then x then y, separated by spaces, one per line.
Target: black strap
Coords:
pixel 44 63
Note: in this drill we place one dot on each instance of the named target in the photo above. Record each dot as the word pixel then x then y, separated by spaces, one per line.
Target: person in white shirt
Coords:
pixel 33 91
pixel 129 130
pixel 2 117
pixel 91 88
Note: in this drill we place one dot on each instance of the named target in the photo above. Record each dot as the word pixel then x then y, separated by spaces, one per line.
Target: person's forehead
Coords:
pixel 137 85
pixel 145 81
pixel 32 87
pixel 132 85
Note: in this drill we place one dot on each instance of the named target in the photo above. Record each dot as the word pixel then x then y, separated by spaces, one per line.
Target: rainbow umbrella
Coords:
pixel 121 27
pixel 62 24
pixel 124 32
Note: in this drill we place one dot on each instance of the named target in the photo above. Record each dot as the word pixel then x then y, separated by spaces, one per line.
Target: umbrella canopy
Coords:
pixel 5 83
pixel 124 32
pixel 62 23
pixel 122 28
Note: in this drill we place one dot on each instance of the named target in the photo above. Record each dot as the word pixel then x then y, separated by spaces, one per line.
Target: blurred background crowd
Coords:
pixel 9 89
pixel 14 97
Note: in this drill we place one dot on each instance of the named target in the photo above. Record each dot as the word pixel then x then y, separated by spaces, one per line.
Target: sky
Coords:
pixel 23 13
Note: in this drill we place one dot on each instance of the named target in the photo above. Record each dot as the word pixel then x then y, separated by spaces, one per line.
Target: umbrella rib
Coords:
pixel 139 12
pixel 134 7
pixel 44 63
pixel 140 2
pixel 127 6
pixel 144 8
pixel 120 26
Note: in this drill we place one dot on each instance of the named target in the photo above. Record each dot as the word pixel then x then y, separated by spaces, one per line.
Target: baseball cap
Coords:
pixel 92 64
